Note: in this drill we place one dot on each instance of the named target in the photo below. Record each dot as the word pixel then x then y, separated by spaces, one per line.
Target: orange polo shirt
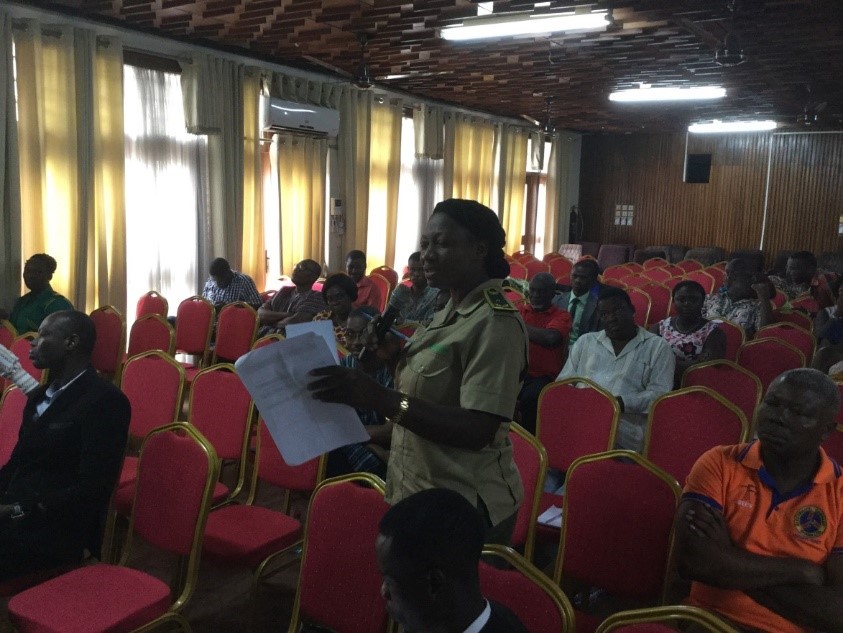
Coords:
pixel 806 524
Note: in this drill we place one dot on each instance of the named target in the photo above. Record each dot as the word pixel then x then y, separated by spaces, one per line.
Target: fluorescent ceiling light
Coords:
pixel 646 93
pixel 732 126
pixel 523 24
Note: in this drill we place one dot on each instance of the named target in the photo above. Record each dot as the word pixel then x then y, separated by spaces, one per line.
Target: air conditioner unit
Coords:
pixel 278 115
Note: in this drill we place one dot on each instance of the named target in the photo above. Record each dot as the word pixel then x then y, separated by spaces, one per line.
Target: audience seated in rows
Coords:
pixel 368 294
pixel 547 328
pixel 760 527
pixel 293 304
pixel 692 337
pixel 41 300
pixel 227 286
pixel 828 328
pixel 803 280
pixel 581 300
pixel 741 300
pixel 415 302
pixel 339 292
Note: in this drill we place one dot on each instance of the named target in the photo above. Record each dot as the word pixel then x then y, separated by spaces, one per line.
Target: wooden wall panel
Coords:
pixel 646 170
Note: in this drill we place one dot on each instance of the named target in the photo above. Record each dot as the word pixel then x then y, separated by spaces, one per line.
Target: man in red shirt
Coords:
pixel 368 293
pixel 547 327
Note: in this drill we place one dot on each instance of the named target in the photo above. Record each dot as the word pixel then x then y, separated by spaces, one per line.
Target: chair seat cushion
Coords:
pixel 248 534
pixel 98 598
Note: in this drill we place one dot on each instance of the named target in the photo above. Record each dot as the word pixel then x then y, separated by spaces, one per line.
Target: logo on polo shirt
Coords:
pixel 810 522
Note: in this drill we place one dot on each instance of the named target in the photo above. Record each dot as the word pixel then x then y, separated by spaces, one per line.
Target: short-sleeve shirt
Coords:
pixel 33 307
pixel 806 524
pixel 291 300
pixel 686 345
pixel 368 294
pixel 546 361
pixel 471 356
pixel 413 307
pixel 241 288
pixel 744 312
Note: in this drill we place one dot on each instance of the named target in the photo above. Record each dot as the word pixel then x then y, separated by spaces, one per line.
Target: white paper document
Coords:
pixel 276 376
pixel 551 517
pixel 325 329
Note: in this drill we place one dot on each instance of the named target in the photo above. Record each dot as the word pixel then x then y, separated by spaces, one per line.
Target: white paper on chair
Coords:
pixel 324 328
pixel 276 376
pixel 551 517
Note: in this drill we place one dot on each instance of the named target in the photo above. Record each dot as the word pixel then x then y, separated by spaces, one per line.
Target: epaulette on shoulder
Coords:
pixel 496 299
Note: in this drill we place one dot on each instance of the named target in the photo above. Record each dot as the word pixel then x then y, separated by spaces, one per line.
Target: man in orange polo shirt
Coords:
pixel 760 526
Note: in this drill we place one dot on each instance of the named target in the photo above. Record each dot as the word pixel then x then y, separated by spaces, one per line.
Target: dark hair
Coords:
pixel 363 312
pixel 589 263
pixel 435 528
pixel 544 279
pixel 48 261
pixel 80 324
pixel 414 257
pixel 219 267
pixel 817 382
pixel 611 292
pixel 345 283
pixel 356 254
pixel 484 226
pixel 312 266
pixel 690 284
pixel 805 256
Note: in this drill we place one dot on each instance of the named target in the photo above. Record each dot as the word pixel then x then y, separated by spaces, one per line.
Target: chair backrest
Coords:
pixel 806 304
pixel 793 316
pixel 152 303
pixel 738 385
pixel 8 333
pixel 662 620
pixel 641 302
pixel 536 266
pixel 153 382
pixel 237 325
pixel 263 341
pixel 704 279
pixel 660 300
pixel 560 267
pixel 221 409
pixel 194 321
pixel 735 337
pixel 684 424
pixel 523 256
pixel 654 262
pixel 801 339
pixel 176 475
pixel 531 460
pixel 833 445
pixel 659 275
pixel 718 274
pixel 517 270
pixel 389 274
pixel 634 267
pixel 575 421
pixel 525 590
pixel 266 295
pixel 383 285
pixel 779 299
pixel 619 271
pixel 767 358
pixel 689 265
pixel 107 356
pixel 339 582
pixel 11 416
pixel 151 332
pixel 617 536
pixel 634 280
pixel 20 347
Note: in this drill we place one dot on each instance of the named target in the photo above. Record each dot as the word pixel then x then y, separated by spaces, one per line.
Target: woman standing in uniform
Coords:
pixel 457 380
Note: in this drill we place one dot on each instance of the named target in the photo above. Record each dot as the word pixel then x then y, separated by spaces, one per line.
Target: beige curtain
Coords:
pixel 511 181
pixel 10 212
pixel 384 174
pixel 353 146
pixel 470 165
pixel 562 150
pixel 253 262
pixel 428 125
pixel 300 163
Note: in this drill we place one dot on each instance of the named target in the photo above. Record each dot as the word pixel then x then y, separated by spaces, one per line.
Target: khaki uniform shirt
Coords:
pixel 471 356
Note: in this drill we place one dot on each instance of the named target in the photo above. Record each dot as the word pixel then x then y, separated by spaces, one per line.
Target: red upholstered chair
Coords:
pixel 152 303
pixel 654 262
pixel 674 270
pixel 660 301
pixel 684 424
pixel 738 385
pixel 561 268
pixel 641 302
pixel 796 318
pixel 548 257
pixel 263 341
pixel 614 536
pixel 523 256
pixel 635 267
pixel 635 280
pixel 616 272
pixel 517 270
pixel 663 620
pixel 806 304
pixel 704 279
pixel 735 337
pixel 531 461
pixel 801 339
pixel 107 357
pixel 658 275
pixel 514 296
pixel 834 444
pixel 536 266
pixel 20 347
pixel 779 299
pixel 768 358
pixel 382 284
pixel 390 274
pixel 222 410
pixel 175 480
pixel 718 273
pixel 11 416
pixel 194 322
pixel 340 583
pixel 266 295
pixel 237 325
pixel 8 333
pixel 525 590
pixel 151 332
pixel 689 265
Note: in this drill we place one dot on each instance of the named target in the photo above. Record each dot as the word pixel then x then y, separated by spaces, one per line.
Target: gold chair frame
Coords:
pixel 121 345
pixel 736 367
pixel 153 294
pixel 535 502
pixel 240 305
pixel 206 352
pixel 574 380
pixel 171 345
pixel 672 613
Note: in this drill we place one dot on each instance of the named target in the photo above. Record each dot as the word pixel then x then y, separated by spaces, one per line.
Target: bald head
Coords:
pixel 813 381
pixel 542 289
pixel 72 323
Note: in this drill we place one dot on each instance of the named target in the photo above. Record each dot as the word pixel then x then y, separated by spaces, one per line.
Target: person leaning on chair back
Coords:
pixel 55 488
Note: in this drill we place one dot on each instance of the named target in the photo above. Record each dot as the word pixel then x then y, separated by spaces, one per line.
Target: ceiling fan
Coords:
pixel 363 77
pixel 730 51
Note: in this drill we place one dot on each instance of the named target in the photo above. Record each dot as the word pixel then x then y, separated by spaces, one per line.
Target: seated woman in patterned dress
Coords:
pixel 693 338
pixel 339 292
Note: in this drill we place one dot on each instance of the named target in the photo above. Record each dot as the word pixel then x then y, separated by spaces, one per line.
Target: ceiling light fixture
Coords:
pixel 646 94
pixel 523 24
pixel 715 127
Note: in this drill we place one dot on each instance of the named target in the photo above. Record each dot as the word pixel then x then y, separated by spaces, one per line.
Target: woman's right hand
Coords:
pixel 388 348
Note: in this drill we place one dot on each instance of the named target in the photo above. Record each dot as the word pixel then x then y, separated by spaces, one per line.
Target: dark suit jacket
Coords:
pixel 589 322
pixel 65 464
pixel 502 620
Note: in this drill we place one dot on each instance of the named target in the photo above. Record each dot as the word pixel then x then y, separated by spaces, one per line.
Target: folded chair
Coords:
pixel 531 461
pixel 738 385
pixel 152 303
pixel 175 481
pixel 11 416
pixel 525 590
pixel 151 332
pixel 237 325
pixel 107 357
pixel 339 583
pixel 662 620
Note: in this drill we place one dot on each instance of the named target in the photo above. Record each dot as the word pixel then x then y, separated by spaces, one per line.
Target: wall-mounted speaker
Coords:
pixel 697 168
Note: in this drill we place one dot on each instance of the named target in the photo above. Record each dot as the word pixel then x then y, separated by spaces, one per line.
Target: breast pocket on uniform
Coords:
pixel 430 371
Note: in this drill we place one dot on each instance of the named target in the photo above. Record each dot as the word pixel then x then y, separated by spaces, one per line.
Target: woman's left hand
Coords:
pixel 345 385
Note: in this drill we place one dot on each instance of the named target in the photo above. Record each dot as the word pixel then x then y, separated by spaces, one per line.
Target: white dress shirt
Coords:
pixel 480 622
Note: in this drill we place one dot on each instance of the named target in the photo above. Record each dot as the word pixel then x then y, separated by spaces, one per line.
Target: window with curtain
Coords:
pixel 165 175
pixel 535 203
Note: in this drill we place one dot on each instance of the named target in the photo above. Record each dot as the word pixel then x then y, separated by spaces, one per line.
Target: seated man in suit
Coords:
pixel 759 529
pixel 428 550
pixel 581 300
pixel 55 488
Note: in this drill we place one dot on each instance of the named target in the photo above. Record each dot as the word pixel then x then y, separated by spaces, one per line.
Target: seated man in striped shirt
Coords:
pixel 293 304
pixel 227 286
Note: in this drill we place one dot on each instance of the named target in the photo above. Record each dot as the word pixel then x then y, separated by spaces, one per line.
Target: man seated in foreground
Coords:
pixel 760 526
pixel 428 550
pixel 293 304
pixel 227 286
pixel 629 362
pixel 41 300
pixel 55 488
